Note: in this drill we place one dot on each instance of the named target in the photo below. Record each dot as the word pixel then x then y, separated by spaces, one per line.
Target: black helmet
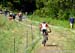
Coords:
pixel 44 22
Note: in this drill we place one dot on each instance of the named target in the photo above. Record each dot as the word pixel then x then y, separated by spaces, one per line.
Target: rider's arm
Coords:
pixel 40 26
pixel 48 27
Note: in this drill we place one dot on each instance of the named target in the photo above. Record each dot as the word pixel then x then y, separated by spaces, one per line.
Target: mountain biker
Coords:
pixel 43 28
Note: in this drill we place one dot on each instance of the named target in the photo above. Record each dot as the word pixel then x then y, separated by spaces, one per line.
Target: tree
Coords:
pixel 56 8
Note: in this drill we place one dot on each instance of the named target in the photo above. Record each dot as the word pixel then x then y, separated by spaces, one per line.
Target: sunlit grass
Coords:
pixel 12 29
pixel 49 20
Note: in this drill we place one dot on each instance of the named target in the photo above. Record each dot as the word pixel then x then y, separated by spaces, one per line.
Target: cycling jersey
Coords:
pixel 43 26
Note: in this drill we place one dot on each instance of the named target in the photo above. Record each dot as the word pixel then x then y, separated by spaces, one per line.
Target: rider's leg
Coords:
pixel 44 38
pixel 46 35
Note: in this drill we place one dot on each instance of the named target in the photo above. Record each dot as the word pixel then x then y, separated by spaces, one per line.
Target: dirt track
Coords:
pixel 52 46
pixel 54 43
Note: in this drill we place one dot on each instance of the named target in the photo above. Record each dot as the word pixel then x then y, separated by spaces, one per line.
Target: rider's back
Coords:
pixel 43 26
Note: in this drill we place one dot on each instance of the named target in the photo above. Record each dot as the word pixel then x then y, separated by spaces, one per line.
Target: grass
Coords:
pixel 8 31
pixel 49 20
pixel 12 29
pixel 68 41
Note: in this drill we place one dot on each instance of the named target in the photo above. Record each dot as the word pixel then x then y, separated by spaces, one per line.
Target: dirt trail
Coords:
pixel 52 45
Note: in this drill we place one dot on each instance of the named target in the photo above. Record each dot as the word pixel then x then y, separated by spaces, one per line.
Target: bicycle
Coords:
pixel 45 36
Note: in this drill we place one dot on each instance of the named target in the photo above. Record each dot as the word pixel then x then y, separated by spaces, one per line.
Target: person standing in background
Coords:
pixel 6 12
pixel 14 16
pixel 71 22
pixel 1 12
pixel 20 16
pixel 10 16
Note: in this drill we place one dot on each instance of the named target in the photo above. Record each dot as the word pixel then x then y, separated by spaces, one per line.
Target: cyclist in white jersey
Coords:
pixel 43 28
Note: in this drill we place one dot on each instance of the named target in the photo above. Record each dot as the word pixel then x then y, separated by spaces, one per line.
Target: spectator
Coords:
pixel 14 16
pixel 6 12
pixel 1 11
pixel 71 22
pixel 20 16
pixel 10 16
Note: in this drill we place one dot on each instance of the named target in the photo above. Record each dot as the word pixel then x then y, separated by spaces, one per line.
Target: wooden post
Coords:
pixel 14 44
pixel 27 40
pixel 26 37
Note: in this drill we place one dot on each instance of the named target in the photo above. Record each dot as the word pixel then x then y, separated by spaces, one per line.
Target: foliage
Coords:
pixel 60 9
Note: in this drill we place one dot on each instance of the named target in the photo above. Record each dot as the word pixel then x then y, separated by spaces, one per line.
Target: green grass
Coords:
pixel 68 41
pixel 56 22
pixel 8 32
pixel 12 29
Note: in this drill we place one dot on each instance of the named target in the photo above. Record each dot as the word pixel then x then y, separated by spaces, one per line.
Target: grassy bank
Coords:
pixel 56 22
pixel 8 31
pixel 15 36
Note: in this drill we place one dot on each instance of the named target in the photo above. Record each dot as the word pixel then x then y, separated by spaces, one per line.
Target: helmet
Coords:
pixel 44 22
